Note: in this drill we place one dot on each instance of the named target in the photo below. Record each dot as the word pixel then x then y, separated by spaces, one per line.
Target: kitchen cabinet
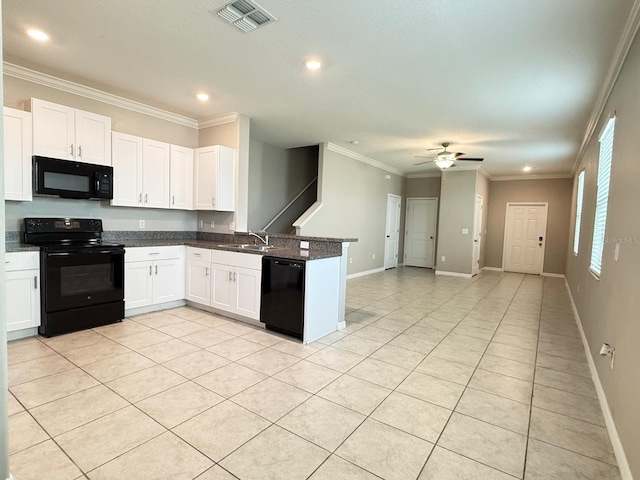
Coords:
pixel 155 173
pixel 22 290
pixel 153 276
pixel 17 155
pixel 146 176
pixel 70 134
pixel 214 186
pixel 181 177
pixel 226 281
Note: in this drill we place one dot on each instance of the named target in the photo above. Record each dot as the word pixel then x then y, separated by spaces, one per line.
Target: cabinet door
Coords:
pixel 198 283
pixel 222 287
pixel 127 170
pixel 168 280
pixel 17 155
pixel 155 173
pixel 23 299
pixel 181 177
pixel 53 130
pixel 205 178
pixel 138 286
pixel 93 138
pixel 225 181
pixel 247 292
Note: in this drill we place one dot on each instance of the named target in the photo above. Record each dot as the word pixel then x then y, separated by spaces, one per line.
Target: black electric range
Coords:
pixel 82 276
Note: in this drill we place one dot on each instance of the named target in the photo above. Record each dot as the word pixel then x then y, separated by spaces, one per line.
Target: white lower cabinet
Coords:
pixel 22 290
pixel 153 275
pixel 227 281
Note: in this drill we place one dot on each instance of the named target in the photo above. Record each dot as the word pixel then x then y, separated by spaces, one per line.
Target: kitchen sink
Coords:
pixel 249 246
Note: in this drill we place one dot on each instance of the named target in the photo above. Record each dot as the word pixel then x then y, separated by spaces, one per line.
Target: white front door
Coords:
pixel 477 234
pixel 392 231
pixel 525 231
pixel 419 244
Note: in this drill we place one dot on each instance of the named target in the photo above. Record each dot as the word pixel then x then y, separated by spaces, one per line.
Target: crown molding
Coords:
pixel 484 173
pixel 524 176
pixel 425 175
pixel 620 55
pixel 361 158
pixel 46 80
pixel 216 120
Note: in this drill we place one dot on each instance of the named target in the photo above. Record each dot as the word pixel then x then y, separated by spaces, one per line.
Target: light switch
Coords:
pixel 465 231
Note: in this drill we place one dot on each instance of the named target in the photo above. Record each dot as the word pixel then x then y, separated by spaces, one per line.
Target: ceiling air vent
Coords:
pixel 245 15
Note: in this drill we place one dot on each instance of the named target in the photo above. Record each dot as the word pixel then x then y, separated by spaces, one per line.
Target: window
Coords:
pixel 602 197
pixel 579 195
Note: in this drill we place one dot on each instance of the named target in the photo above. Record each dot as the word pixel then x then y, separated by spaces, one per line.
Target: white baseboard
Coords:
pixel 366 272
pixel 493 269
pixel 154 308
pixel 616 443
pixel 342 325
pixel 555 275
pixel 453 274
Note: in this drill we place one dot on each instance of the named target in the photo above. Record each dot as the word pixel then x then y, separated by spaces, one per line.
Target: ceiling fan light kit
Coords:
pixel 446 159
pixel 444 162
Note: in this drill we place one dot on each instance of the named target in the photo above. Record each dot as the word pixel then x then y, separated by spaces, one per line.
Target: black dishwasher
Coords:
pixel 282 306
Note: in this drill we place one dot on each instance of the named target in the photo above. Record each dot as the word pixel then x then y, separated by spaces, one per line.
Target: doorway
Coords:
pixel 477 233
pixel 420 238
pixel 392 231
pixel 524 237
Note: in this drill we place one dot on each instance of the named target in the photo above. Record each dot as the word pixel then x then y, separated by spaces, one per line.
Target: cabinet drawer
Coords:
pixel 199 254
pixel 140 254
pixel 22 261
pixel 237 259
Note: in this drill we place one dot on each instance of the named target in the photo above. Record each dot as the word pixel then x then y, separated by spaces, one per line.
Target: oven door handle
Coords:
pixel 118 251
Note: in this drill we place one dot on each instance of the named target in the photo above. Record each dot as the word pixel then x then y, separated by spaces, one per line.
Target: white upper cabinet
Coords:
pixel 17 155
pixel 155 173
pixel 214 186
pixel 181 188
pixel 70 134
pixel 141 172
pixel 127 170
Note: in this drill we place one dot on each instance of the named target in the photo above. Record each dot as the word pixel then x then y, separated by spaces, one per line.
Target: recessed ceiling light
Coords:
pixel 526 169
pixel 313 64
pixel 203 97
pixel 37 35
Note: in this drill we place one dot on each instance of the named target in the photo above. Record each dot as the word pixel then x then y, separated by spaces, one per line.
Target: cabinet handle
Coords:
pixel 79 150
pixel 230 277
pixel 156 269
pixel 173 200
pixel 145 197
pixel 139 198
pixel 213 202
pixel 235 276
pixel 154 253
pixel 150 270
pixel 71 149
pixel 206 271
pixel 35 283
pixel 197 254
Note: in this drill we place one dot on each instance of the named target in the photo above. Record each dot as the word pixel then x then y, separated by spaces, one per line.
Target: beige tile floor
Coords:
pixel 433 378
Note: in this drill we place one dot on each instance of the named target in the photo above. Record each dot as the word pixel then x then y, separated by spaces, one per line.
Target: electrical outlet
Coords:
pixel 141 224
pixel 374 256
pixel 201 224
pixel 213 223
pixel 443 258
pixel 304 245
pixel 351 260
pixel 465 231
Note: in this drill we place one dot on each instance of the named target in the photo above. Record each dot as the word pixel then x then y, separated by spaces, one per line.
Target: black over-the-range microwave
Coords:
pixel 69 179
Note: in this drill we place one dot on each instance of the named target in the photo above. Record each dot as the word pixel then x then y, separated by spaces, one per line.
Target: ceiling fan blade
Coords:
pixel 459 153
pixel 422 163
pixel 423 156
pixel 469 159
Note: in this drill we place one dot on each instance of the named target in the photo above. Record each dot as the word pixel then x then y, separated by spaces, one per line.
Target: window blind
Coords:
pixel 602 197
pixel 579 196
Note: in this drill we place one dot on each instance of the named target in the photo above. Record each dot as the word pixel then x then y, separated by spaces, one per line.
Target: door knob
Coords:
pixel 431 238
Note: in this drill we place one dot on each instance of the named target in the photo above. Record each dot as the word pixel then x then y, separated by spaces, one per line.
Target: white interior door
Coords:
pixel 477 234
pixel 392 231
pixel 525 231
pixel 420 237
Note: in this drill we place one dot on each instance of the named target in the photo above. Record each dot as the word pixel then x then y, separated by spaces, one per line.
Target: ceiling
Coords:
pixel 514 82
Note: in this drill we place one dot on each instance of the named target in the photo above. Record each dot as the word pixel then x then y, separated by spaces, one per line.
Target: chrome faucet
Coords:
pixel 264 240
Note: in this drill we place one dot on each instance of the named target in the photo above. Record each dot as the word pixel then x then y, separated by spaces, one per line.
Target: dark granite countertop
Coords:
pixel 279 251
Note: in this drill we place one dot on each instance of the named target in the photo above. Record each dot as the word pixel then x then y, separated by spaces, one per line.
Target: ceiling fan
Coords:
pixel 445 159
